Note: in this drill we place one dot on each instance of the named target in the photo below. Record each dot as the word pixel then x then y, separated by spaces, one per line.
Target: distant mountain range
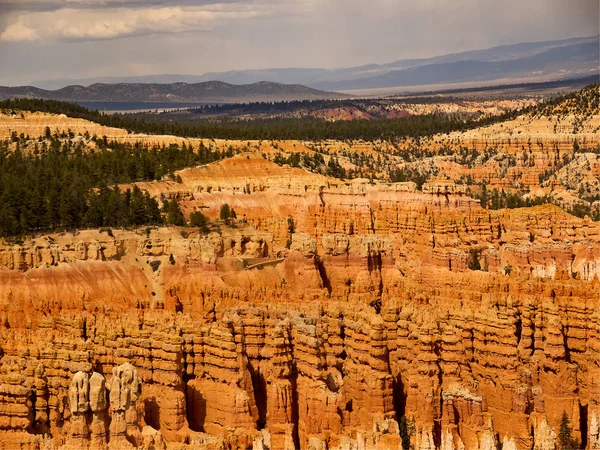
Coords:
pixel 564 61
pixel 205 92
pixel 537 61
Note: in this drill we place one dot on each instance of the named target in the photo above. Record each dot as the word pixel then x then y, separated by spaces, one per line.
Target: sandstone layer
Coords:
pixel 381 307
pixel 555 153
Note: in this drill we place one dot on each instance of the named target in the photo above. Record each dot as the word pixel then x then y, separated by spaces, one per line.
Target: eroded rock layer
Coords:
pixel 334 316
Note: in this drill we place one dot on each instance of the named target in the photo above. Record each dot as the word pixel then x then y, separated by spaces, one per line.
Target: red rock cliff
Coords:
pixel 393 313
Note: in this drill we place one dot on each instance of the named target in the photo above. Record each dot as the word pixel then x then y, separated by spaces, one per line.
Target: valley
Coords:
pixel 425 290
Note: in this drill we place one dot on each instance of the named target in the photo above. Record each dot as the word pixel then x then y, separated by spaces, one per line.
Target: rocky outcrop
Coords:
pixel 292 376
pixel 125 390
pixel 384 317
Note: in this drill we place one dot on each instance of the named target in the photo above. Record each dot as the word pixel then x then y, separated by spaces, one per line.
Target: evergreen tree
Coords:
pixel 197 219
pixel 484 196
pixel 173 212
pixel 8 223
pixel 565 434
pixel 137 207
pixel 225 213
pixel 152 210
pixel 407 429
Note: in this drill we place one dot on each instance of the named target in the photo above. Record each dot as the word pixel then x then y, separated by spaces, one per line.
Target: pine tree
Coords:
pixel 152 209
pixel 137 207
pixel 225 213
pixel 197 219
pixel 406 430
pixel 173 212
pixel 8 224
pixel 565 434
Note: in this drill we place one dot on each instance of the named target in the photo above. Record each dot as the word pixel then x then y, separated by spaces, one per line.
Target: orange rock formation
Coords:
pixel 383 309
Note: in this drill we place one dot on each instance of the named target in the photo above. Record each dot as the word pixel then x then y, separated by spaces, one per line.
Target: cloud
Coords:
pixel 53 5
pixel 43 39
pixel 71 24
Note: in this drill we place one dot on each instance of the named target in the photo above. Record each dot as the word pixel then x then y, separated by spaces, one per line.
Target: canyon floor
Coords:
pixel 330 313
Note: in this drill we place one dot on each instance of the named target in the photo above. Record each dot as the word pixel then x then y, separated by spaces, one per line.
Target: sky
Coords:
pixel 74 39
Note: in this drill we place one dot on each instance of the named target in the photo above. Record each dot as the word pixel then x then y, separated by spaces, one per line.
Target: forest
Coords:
pixel 306 128
pixel 311 105
pixel 60 186
pixel 56 182
pixel 499 199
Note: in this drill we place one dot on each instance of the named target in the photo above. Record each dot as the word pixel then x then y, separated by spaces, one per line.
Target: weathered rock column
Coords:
pixel 98 405
pixel 78 434
pixel 594 433
pixel 277 367
pixel 125 390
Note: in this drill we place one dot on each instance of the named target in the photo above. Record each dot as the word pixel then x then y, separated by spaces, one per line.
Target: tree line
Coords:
pixel 59 184
pixel 289 106
pixel 499 199
pixel 306 128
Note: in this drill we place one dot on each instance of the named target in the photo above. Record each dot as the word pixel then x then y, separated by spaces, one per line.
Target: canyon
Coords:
pixel 330 314
pixel 371 315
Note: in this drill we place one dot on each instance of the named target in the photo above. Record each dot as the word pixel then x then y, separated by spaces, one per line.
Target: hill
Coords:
pixel 211 91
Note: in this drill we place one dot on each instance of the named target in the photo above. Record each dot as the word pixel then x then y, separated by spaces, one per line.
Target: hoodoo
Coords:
pixel 372 329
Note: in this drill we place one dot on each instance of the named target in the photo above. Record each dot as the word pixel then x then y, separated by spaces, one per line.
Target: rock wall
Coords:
pixel 388 318
pixel 503 367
